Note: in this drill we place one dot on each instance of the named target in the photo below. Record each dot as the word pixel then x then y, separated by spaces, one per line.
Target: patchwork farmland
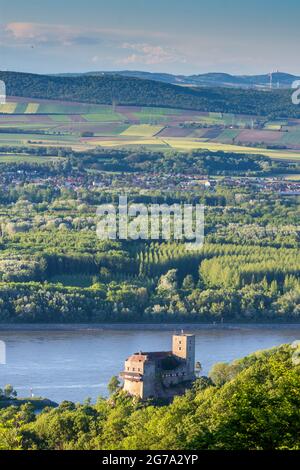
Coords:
pixel 83 126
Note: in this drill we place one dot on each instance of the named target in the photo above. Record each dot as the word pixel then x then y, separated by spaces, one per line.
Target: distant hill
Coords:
pixel 121 90
pixel 279 79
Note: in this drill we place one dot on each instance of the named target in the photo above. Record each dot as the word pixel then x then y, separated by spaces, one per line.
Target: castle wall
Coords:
pixel 149 380
pixel 179 375
pixel 145 388
pixel 133 387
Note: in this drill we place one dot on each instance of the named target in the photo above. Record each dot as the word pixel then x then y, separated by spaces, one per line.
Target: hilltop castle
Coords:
pixel 158 374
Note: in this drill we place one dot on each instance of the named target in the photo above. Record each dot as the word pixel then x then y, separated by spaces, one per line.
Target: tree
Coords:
pixel 188 283
pixel 168 284
pixel 113 385
pixel 220 373
pixel 9 438
pixel 9 391
pixel 202 383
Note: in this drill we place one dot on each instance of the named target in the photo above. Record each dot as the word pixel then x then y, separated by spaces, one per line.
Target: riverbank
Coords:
pixel 37 403
pixel 74 362
pixel 139 326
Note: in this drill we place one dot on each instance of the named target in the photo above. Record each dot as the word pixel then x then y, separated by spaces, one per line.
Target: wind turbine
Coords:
pixel 271 80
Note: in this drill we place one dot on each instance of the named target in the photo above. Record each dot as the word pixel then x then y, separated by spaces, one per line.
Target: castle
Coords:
pixel 158 374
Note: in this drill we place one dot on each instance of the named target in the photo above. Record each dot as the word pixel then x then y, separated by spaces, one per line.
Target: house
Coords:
pixel 158 374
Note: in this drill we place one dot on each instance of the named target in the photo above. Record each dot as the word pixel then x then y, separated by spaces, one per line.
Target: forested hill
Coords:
pixel 279 79
pixel 250 404
pixel 134 91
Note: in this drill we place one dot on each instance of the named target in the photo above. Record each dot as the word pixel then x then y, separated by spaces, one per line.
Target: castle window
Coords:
pixel 179 349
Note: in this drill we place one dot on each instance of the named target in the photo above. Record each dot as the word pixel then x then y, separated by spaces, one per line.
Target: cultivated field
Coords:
pixel 26 122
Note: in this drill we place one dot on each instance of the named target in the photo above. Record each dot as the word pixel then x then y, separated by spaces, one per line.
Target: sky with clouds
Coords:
pixel 177 36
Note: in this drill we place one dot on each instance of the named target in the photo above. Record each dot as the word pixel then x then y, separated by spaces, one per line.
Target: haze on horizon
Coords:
pixel 172 36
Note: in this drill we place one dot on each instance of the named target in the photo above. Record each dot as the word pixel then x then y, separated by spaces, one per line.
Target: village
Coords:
pixel 77 180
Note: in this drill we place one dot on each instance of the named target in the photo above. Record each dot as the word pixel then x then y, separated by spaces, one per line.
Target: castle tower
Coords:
pixel 183 346
pixel 161 373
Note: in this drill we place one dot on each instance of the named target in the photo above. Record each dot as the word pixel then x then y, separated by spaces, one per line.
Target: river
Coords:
pixel 74 362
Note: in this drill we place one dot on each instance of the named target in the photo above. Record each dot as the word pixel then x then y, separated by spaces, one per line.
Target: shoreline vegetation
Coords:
pixel 186 326
pixel 233 408
pixel 37 403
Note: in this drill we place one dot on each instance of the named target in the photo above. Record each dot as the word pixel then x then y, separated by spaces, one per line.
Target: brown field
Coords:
pixel 174 131
pixel 211 134
pixel 63 123
pixel 259 136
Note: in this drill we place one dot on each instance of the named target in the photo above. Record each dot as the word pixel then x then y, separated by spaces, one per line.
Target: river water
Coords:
pixel 74 362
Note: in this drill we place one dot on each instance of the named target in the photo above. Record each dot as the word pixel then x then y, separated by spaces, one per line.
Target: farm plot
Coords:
pixel 128 142
pixel 186 144
pixel 257 135
pixel 175 131
pixel 291 137
pixel 31 138
pixel 154 115
pixel 200 133
pixel 104 116
pixel 142 130
pixel 61 118
pixel 97 130
pixel 275 125
pixel 228 136
pixel 26 159
pixel 31 108
pixel 8 108
pixel 211 134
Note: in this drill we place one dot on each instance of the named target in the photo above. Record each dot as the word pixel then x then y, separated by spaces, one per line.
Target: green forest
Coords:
pixel 203 162
pixel 251 403
pixel 141 92
pixel 54 268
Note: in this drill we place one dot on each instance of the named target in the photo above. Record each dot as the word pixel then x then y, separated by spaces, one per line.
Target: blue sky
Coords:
pixel 186 36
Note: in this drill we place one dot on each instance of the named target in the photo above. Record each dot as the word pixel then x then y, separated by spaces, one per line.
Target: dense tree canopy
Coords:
pixel 141 92
pixel 252 403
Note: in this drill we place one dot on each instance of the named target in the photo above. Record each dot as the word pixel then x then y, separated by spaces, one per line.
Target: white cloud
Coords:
pixel 49 34
pixel 16 33
pixel 149 54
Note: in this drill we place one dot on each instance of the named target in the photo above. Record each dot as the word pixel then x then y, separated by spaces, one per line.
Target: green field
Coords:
pixel 107 115
pixel 292 137
pixel 26 159
pixel 142 130
pixel 61 118
pixel 228 135
pixel 85 126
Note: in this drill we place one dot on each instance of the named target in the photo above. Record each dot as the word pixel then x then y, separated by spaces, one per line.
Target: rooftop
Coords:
pixel 148 356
